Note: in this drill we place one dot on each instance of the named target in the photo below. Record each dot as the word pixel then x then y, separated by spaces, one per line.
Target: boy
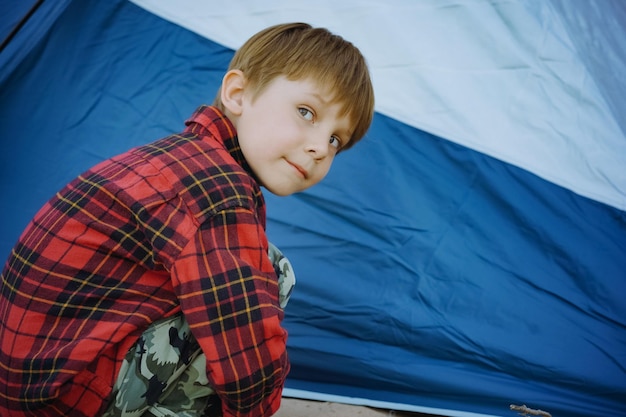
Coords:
pixel 144 287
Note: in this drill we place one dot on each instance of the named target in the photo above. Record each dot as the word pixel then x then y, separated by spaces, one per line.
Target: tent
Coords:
pixel 468 255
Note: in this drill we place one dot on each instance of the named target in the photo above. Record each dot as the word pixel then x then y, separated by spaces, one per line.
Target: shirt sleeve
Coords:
pixel 228 293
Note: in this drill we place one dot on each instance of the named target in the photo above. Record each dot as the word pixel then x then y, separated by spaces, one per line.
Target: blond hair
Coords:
pixel 298 51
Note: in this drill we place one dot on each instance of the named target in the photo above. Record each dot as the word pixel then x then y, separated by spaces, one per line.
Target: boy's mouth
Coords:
pixel 301 170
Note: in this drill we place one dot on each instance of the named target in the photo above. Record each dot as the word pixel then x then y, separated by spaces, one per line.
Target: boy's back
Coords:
pixel 109 254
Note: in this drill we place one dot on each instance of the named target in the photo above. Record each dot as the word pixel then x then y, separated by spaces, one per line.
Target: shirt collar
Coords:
pixel 210 121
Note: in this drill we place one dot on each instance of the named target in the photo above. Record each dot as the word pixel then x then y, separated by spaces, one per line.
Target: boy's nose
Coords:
pixel 317 146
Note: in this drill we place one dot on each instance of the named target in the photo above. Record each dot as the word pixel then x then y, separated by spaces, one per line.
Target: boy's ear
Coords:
pixel 231 92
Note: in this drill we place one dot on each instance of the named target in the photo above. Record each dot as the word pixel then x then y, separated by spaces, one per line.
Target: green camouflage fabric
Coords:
pixel 284 271
pixel 164 374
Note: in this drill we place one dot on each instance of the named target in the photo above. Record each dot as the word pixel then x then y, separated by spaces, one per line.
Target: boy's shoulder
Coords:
pixel 205 167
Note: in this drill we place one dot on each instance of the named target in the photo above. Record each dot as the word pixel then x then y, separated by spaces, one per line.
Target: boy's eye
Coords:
pixel 306 113
pixel 335 142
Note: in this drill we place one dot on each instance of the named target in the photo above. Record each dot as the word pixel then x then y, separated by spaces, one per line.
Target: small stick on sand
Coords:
pixel 523 410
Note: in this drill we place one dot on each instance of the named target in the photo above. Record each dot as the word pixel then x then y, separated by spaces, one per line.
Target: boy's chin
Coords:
pixel 281 191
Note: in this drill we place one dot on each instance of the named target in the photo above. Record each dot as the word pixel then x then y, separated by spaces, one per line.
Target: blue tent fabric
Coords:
pixel 522 318
pixel 429 274
pixel 65 106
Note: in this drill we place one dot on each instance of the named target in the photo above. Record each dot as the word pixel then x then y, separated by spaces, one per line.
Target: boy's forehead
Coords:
pixel 325 90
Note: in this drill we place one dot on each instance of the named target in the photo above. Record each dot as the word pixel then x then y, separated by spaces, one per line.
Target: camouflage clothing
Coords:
pixel 164 374
pixel 285 274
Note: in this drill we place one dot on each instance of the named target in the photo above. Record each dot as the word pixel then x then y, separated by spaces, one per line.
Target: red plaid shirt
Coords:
pixel 176 225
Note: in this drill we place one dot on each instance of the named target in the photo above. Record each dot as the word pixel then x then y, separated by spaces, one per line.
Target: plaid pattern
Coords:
pixel 174 226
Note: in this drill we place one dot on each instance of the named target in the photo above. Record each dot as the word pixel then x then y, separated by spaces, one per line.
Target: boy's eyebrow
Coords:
pixel 319 97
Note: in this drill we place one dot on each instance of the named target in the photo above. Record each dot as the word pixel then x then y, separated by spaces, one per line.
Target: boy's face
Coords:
pixel 290 133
